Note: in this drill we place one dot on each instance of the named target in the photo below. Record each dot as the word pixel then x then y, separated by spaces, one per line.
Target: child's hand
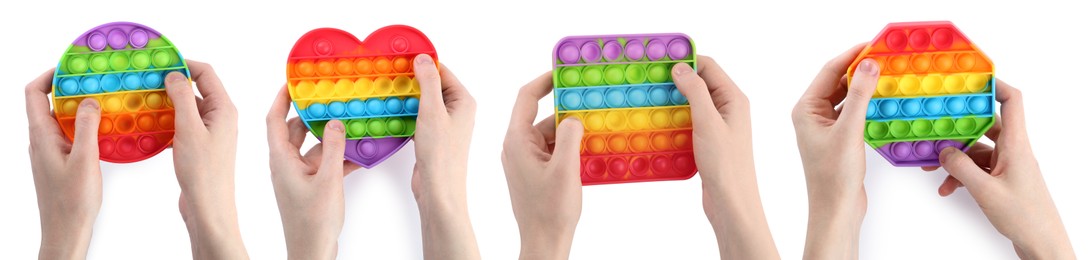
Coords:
pixel 309 188
pixel 1007 184
pixel 831 144
pixel 723 146
pixel 444 129
pixel 205 139
pixel 66 176
pixel 542 166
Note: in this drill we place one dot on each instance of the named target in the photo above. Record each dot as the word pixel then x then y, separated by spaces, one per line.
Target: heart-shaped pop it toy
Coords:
pixel 637 123
pixel 370 86
pixel 936 90
pixel 122 65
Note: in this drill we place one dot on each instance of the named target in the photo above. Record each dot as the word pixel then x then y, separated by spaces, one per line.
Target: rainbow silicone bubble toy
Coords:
pixel 936 90
pixel 637 124
pixel 369 86
pixel 122 65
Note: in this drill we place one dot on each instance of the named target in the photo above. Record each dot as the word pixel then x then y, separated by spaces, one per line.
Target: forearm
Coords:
pixel 735 212
pixel 212 222
pixel 833 228
pixel 1049 242
pixel 444 219
pixel 64 240
pixel 540 242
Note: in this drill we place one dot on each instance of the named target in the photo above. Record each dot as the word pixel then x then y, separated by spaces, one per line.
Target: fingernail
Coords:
pixel 682 70
pixel 337 126
pixel 89 103
pixel 176 78
pixel 423 59
pixel 946 152
pixel 868 67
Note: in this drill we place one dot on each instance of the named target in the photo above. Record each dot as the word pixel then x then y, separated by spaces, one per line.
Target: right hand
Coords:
pixel 1007 184
pixel 309 188
pixel 542 166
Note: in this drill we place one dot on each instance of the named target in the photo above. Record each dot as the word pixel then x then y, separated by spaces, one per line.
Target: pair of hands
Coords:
pixel 68 179
pixel 1005 180
pixel 541 162
pixel 310 187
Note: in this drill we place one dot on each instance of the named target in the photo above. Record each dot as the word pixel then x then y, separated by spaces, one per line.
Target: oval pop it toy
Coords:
pixel 122 65
pixel 637 123
pixel 370 86
pixel 936 90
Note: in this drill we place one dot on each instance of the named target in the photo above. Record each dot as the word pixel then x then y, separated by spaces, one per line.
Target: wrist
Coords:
pixel 538 242
pixel 65 240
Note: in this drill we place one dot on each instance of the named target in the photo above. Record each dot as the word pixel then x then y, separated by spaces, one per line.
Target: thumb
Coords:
pixel 864 81
pixel 695 90
pixel 85 141
pixel 332 149
pixel 185 104
pixel 959 165
pixel 569 137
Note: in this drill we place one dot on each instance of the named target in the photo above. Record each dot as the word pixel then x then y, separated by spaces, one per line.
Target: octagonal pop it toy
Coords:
pixel 122 65
pixel 936 90
pixel 369 86
pixel 636 122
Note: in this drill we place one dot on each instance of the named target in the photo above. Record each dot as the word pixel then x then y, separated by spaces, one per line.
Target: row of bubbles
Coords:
pixel 919 150
pixel 130 146
pixel 354 88
pixel 117 39
pixel 923 63
pixel 118 103
pixel 120 61
pixel 639 142
pixel 391 106
pixel 927 128
pixel 110 83
pixel 377 127
pixel 912 85
pixel 640 166
pixel 361 66
pixel 921 39
pixel 614 74
pixel 633 119
pixel 608 50
pixel 125 124
pixel 929 106
pixel 620 97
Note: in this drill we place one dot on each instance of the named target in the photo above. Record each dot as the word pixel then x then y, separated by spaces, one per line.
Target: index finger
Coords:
pixel 526 103
pixel 37 99
pixel 1013 115
pixel 277 127
pixel 828 80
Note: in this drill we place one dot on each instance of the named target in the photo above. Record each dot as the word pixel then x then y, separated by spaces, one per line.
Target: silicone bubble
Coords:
pixel 356 107
pixel 935 85
pixel 572 100
pixel 89 85
pixel 590 52
pixel 69 86
pixel 336 109
pixel 615 97
pixel 634 50
pixel 412 105
pixel 637 96
pixel 110 83
pixel 357 128
pixel 395 126
pixel 375 107
pixel 612 51
pixel 316 110
pixel 637 123
pixel 343 88
pixel 362 87
pixel 659 96
pixel 639 166
pixel 594 99
pixel 131 81
pixel 394 106
pixel 656 49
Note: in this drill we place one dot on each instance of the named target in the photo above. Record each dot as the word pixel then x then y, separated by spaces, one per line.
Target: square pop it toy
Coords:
pixel 636 122
pixel 936 90
pixel 122 65
pixel 368 85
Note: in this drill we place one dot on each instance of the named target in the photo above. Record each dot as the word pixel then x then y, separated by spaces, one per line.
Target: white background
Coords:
pixel 772 50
